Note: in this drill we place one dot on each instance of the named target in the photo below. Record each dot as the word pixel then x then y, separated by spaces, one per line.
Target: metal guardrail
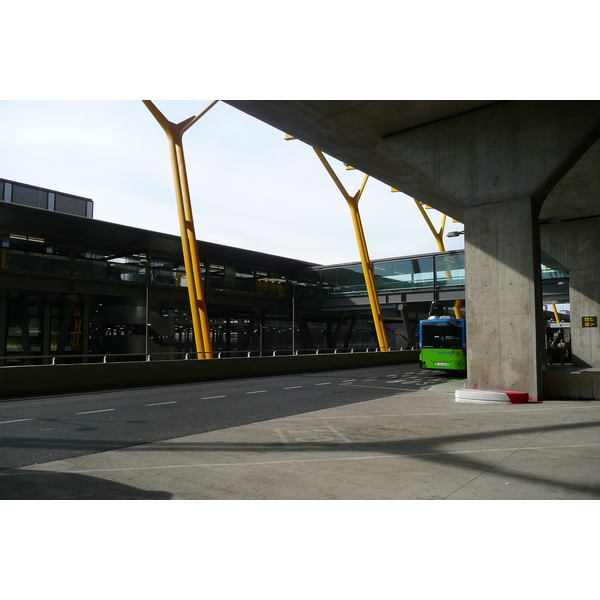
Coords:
pixel 57 359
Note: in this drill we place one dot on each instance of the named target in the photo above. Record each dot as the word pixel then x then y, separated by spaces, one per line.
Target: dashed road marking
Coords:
pixel 161 403
pixel 257 392
pixel 212 397
pixel 292 387
pixel 89 412
pixel 326 383
pixel 372 387
pixel 15 421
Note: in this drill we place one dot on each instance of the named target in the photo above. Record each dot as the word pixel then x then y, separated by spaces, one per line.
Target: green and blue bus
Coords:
pixel 443 344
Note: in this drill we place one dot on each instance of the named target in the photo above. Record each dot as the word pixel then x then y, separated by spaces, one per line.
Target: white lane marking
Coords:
pixel 348 380
pixel 396 381
pixel 372 387
pixel 293 387
pixel 425 414
pixel 326 383
pixel 89 412
pixel 257 392
pixel 329 459
pixel 15 421
pixel 161 403
pixel 212 397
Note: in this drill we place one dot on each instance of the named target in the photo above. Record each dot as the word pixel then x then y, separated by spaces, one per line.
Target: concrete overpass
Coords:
pixel 521 176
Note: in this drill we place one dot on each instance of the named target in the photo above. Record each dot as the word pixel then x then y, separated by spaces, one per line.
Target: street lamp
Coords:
pixel 294 284
pixel 455 233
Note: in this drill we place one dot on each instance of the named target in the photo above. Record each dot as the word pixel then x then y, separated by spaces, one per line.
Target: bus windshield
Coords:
pixel 441 334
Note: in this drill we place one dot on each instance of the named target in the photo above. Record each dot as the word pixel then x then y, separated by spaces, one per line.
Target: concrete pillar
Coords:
pixel 503 295
pixel 499 163
pixel 576 245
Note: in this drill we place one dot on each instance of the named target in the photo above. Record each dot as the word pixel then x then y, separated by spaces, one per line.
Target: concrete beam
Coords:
pixel 504 151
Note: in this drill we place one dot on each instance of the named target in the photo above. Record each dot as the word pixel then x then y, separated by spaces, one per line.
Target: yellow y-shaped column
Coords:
pixel 436 234
pixel 440 242
pixel 174 132
pixel 362 248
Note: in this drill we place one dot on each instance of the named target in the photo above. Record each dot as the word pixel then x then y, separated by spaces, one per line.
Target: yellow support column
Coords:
pixel 458 309
pixel 436 234
pixel 362 248
pixel 174 132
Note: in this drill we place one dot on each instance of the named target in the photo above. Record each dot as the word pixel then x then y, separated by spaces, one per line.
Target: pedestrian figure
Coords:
pixel 561 348
pixel 551 351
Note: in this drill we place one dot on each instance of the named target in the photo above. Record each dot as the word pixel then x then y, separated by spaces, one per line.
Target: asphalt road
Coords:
pixel 39 430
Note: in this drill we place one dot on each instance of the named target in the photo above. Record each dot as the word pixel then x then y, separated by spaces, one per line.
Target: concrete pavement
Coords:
pixel 418 446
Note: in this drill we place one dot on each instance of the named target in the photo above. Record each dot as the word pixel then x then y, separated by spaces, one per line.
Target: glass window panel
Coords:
pixel 441 334
pixel 554 273
pixel 343 280
pixel 246 282
pixel 450 269
pixel 29 196
pixel 405 274
pixel 70 205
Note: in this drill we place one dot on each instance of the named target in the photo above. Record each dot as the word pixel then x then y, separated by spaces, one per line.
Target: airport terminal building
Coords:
pixel 73 286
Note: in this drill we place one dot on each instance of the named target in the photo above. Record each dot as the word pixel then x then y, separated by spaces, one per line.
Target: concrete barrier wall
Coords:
pixel 23 381
pixel 572 385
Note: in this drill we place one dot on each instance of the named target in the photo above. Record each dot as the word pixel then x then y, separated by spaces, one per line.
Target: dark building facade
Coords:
pixel 72 287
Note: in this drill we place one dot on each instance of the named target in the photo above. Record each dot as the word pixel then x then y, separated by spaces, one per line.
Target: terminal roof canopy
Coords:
pixel 122 240
pixel 357 132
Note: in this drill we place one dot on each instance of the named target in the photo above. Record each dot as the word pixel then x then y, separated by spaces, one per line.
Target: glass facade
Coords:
pixel 42 323
pixel 433 271
pixel 34 255
pixel 395 275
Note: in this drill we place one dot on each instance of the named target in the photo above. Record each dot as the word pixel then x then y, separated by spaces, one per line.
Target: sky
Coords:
pixel 249 187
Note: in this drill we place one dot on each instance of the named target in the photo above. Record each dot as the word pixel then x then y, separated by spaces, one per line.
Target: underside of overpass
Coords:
pixel 521 175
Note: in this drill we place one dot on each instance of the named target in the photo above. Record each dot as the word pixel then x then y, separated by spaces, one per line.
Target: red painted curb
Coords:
pixel 517 397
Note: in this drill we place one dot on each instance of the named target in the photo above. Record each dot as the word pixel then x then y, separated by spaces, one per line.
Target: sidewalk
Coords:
pixel 418 446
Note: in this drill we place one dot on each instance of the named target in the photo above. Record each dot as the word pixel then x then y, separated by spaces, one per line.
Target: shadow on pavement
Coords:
pixel 21 484
pixel 447 451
